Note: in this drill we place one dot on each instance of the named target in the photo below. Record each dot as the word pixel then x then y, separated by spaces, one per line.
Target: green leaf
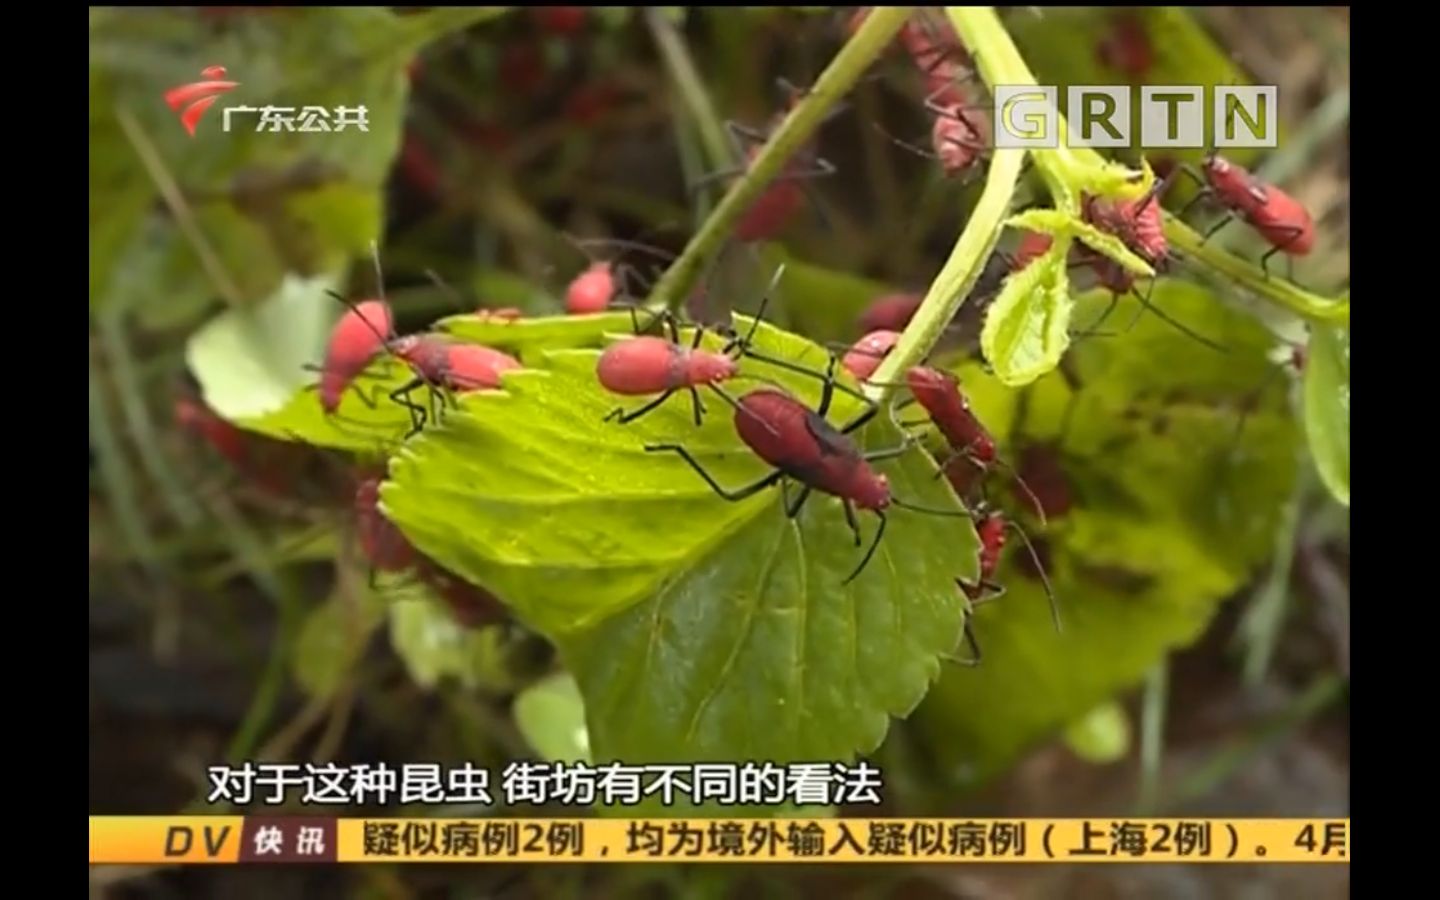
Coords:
pixel 530 339
pixel 331 641
pixel 551 716
pixel 1327 407
pixel 1172 513
pixel 696 628
pixel 1027 328
pixel 434 646
pixel 1101 735
pixel 1055 223
pixel 250 362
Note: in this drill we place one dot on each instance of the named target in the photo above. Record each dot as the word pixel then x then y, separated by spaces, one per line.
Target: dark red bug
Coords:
pixel 192 415
pixel 973 448
pixel 1033 245
pixel 1040 467
pixel 384 545
pixel 802 446
pixel 891 312
pixel 522 68
pixel 1137 222
pixel 1279 218
pixel 1127 48
pixel 770 213
pixel 268 464
pixel 938 393
pixel 420 168
pixel 471 605
pixel 992 527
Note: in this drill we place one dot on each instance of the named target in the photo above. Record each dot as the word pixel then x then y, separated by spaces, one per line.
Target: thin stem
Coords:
pixel 1252 277
pixel 844 70
pixel 1324 691
pixel 692 88
pixel 137 418
pixel 1152 733
pixel 179 208
pixel 1261 626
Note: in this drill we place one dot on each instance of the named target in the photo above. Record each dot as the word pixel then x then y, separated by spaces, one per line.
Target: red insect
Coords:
pixel 935 50
pixel 592 290
pixel 1127 47
pixel 1279 218
pixel 991 528
pixel 357 339
pixel 803 447
pixel 1120 281
pixel 471 605
pixel 604 282
pixel 1040 468
pixel 447 366
pixel 269 464
pixel 384 545
pixel 866 355
pixel 973 449
pixel 194 416
pixel 644 365
pixel 1033 245
pixel 590 102
pixel 1137 222
pixel 891 312
pixel 938 393
pixel 772 211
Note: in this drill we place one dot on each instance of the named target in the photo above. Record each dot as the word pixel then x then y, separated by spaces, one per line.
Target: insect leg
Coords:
pixel 850 520
pixel 733 496
pixel 793 509
pixel 879 533
pixel 622 417
pixel 1295 232
pixel 1216 227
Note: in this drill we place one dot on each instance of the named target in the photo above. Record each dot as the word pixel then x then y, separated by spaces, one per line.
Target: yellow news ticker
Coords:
pixel 301 839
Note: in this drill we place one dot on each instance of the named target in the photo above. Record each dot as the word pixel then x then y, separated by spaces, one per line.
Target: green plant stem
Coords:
pixel 1261 626
pixel 842 73
pixel 137 418
pixel 115 477
pixel 1253 278
pixel 948 291
pixel 692 88
pixel 1324 691
pixel 1152 734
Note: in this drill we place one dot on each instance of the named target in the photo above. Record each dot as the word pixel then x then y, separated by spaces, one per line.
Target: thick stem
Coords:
pixel 948 291
pixel 837 79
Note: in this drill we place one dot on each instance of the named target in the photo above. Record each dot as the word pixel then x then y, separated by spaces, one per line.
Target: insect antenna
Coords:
pixel 1040 569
